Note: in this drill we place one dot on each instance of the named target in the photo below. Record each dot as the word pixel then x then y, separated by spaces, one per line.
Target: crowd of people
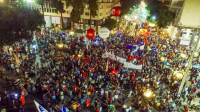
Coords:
pixel 82 80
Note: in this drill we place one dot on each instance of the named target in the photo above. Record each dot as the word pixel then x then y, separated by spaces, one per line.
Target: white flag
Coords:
pixel 39 107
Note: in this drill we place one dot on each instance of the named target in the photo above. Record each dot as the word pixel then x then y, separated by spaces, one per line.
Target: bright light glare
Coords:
pixel 34 46
pixel 148 93
pixel 126 16
pixel 183 55
pixel 60 45
pixel 16 95
pixel 154 17
pixel 71 33
pixel 178 74
pixel 186 64
pixel 142 3
pixel 196 54
pixel 29 0
pixel 162 59
pixel 135 17
pixel 124 106
pixel 151 24
pixel 79 55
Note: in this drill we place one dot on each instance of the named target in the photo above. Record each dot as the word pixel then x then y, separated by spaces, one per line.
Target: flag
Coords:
pixel 116 57
pixel 81 39
pixel 22 100
pixel 24 92
pixel 107 65
pixel 39 107
pixel 129 47
pixel 64 109
pixel 145 40
pixel 137 38
pixel 87 45
pixel 169 97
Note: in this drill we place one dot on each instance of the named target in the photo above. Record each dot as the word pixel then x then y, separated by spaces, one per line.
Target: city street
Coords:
pixel 99 56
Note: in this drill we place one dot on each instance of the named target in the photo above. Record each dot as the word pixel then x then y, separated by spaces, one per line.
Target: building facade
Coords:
pixel 51 17
pixel 187 19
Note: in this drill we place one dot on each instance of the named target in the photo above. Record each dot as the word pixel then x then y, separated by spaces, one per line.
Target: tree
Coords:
pixel 163 17
pixel 59 5
pixel 126 5
pixel 19 24
pixel 79 31
pixel 41 3
pixel 93 7
pixel 78 9
pixel 109 23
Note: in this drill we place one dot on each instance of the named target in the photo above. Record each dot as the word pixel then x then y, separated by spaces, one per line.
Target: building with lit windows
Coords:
pixel 53 18
pixel 104 10
pixel 187 19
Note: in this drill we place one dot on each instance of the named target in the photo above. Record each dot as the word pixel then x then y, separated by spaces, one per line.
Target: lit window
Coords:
pixel 101 7
pixel 81 20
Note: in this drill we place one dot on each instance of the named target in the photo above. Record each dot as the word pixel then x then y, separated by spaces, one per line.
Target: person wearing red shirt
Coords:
pixel 87 102
pixel 97 110
pixel 75 89
pixel 87 60
pixel 83 60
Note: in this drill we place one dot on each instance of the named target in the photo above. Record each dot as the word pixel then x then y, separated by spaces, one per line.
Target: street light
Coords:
pixel 125 106
pixel 183 56
pixel 135 17
pixel 178 74
pixel 162 59
pixel 148 93
pixel 196 54
pixel 153 17
pixel 71 32
pixel 126 16
pixel 60 45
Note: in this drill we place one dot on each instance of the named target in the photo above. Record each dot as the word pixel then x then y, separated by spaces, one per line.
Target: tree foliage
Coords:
pixel 41 3
pixel 164 16
pixel 19 24
pixel 126 5
pixel 93 7
pixel 58 5
pixel 78 9
pixel 109 23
